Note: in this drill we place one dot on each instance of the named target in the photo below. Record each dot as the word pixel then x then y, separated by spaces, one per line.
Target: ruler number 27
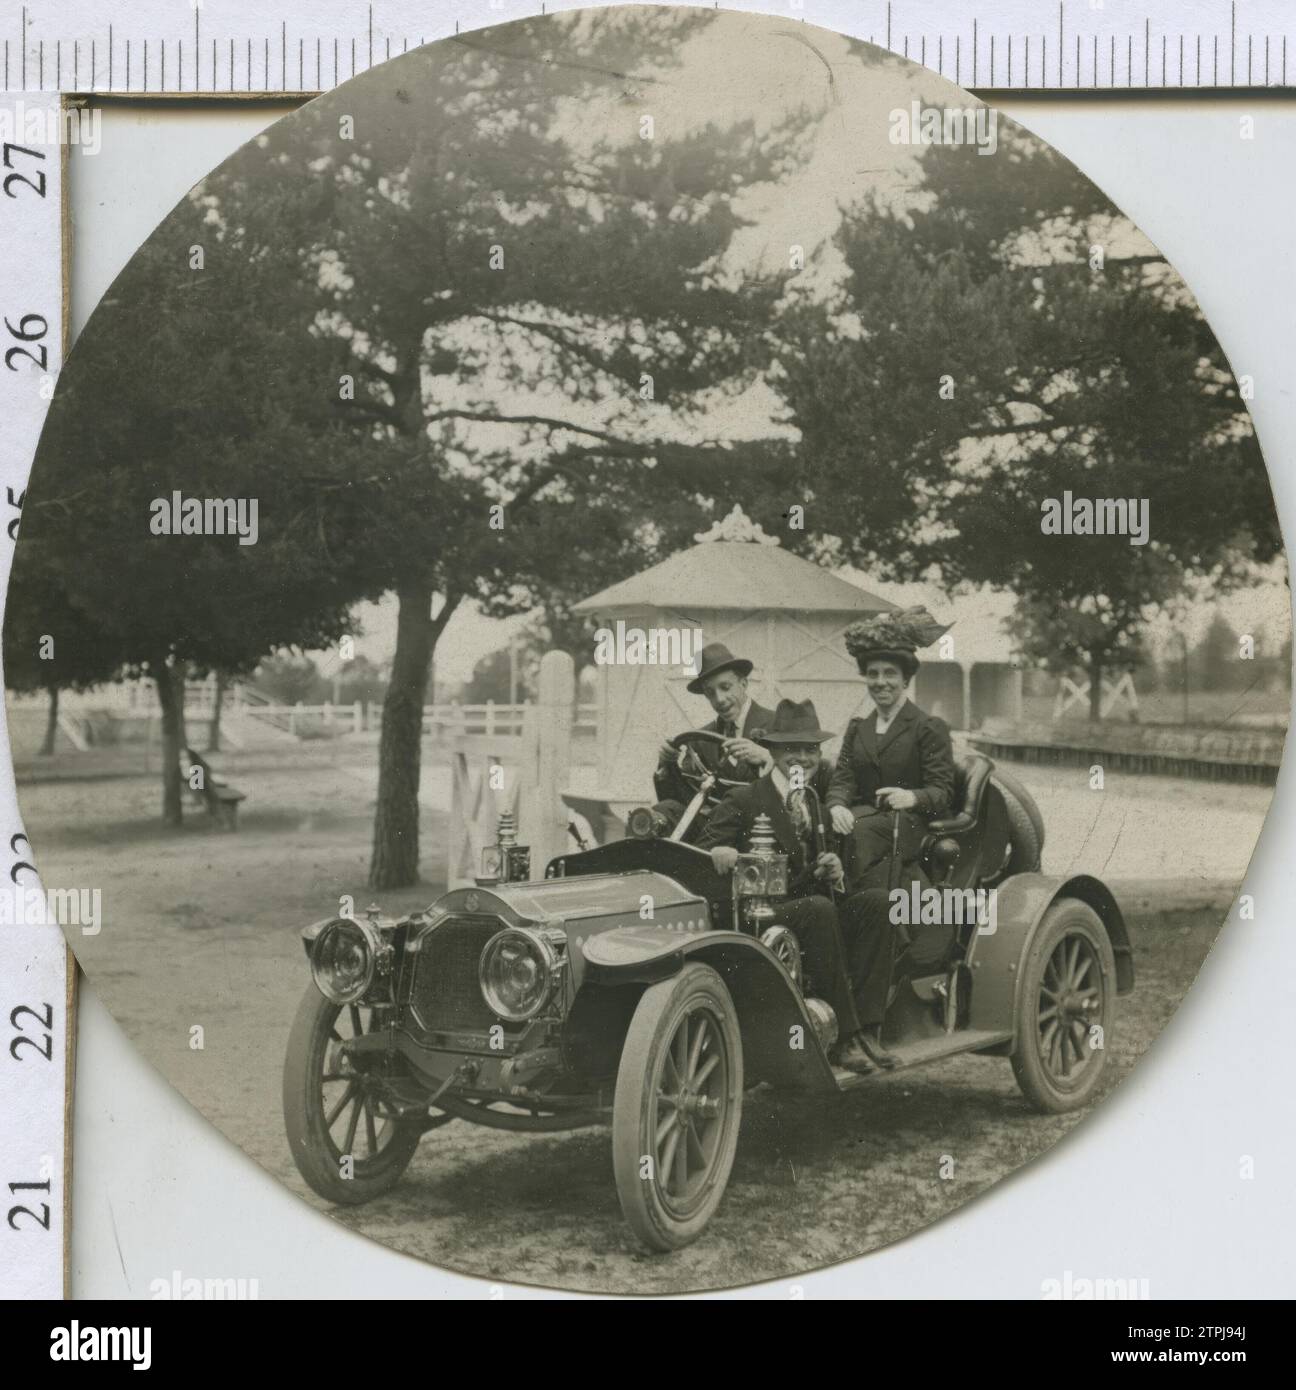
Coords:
pixel 37 179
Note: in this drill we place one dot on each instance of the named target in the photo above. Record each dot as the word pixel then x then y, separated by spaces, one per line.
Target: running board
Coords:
pixel 916 1054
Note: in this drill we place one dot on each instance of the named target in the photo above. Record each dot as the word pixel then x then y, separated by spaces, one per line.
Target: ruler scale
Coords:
pixel 1061 45
pixel 54 49
pixel 35 971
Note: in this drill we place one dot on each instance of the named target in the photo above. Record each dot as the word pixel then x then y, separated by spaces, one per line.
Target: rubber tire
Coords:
pixel 312 1148
pixel 1063 916
pixel 651 1028
pixel 1025 824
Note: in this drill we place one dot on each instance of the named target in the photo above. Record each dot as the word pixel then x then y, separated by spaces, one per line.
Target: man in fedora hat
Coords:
pixel 785 794
pixel 722 678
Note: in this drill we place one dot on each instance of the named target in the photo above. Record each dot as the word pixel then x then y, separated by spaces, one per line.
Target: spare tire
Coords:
pixel 1026 825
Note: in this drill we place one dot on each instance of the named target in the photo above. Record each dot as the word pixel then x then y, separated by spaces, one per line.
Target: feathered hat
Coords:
pixel 893 637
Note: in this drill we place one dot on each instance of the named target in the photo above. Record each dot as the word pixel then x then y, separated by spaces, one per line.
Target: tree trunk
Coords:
pixel 395 859
pixel 170 679
pixel 1095 689
pixel 51 724
pixel 213 728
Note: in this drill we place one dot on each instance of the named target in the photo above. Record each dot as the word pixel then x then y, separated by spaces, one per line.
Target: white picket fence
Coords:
pixel 442 723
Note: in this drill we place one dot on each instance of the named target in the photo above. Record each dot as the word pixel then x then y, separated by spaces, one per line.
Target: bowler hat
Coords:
pixel 793 723
pixel 716 657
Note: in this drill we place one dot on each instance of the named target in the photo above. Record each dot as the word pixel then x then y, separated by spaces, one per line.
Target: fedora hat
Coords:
pixel 794 722
pixel 716 657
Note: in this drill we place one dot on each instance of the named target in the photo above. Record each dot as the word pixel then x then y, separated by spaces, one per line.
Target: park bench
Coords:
pixel 220 799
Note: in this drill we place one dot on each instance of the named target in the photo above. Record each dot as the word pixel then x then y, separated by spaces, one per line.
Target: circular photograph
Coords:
pixel 646 649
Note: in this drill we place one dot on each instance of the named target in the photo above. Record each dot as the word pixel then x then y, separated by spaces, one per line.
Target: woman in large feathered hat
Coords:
pixel 898 758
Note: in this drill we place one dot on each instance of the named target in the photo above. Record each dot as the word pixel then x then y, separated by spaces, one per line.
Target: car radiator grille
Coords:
pixel 445 995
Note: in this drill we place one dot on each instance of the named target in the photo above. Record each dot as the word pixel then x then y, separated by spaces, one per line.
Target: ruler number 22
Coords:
pixel 47 1023
pixel 37 179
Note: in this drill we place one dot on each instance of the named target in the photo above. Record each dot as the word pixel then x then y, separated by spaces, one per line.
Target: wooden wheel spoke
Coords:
pixel 698 1043
pixel 1046 1014
pixel 681 1158
pixel 352 1125
pixel 671 1081
pixel 696 1152
pixel 705 1070
pixel 667 1157
pixel 331 1118
pixel 1054 969
pixel 1054 1049
pixel 664 1127
pixel 371 1130
pixel 679 1051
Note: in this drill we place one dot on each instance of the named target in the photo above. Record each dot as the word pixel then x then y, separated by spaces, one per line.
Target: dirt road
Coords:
pixel 201 928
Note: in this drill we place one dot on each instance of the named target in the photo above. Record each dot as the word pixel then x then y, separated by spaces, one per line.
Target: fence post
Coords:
pixel 544 816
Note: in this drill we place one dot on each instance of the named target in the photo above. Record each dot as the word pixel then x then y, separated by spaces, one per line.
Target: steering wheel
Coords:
pixel 691 767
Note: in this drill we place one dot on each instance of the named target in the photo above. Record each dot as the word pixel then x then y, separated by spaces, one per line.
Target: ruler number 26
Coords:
pixel 37 178
pixel 31 329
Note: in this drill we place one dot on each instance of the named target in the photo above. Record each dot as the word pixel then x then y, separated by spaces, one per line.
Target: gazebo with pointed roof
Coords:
pixel 737 586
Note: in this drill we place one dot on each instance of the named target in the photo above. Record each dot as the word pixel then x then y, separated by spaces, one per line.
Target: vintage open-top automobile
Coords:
pixel 635 983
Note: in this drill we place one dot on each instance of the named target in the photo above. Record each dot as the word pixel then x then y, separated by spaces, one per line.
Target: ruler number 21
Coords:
pixel 47 1023
pixel 43 1220
pixel 37 179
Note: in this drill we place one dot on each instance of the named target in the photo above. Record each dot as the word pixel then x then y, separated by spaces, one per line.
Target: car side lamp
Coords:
pixel 505 861
pixel 760 875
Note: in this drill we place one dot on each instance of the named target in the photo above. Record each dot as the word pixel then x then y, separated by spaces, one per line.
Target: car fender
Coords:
pixel 1021 903
pixel 780 1044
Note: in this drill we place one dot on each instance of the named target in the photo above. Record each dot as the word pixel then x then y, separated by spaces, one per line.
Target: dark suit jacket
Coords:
pixel 732 820
pixel 915 753
pixel 668 783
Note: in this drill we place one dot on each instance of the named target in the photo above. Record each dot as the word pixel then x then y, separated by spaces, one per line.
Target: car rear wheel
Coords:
pixel 677 1107
pixel 346 1139
pixel 1068 990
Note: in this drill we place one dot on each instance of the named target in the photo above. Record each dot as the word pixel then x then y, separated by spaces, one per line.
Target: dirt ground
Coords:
pixel 202 928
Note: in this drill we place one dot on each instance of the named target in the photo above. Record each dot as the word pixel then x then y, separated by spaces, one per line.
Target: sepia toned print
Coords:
pixel 660 641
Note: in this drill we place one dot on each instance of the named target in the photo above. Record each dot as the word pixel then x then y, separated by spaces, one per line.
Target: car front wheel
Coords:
pixel 347 1141
pixel 1067 998
pixel 677 1107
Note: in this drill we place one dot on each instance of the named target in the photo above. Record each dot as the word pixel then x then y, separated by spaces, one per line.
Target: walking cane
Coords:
pixel 893 876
